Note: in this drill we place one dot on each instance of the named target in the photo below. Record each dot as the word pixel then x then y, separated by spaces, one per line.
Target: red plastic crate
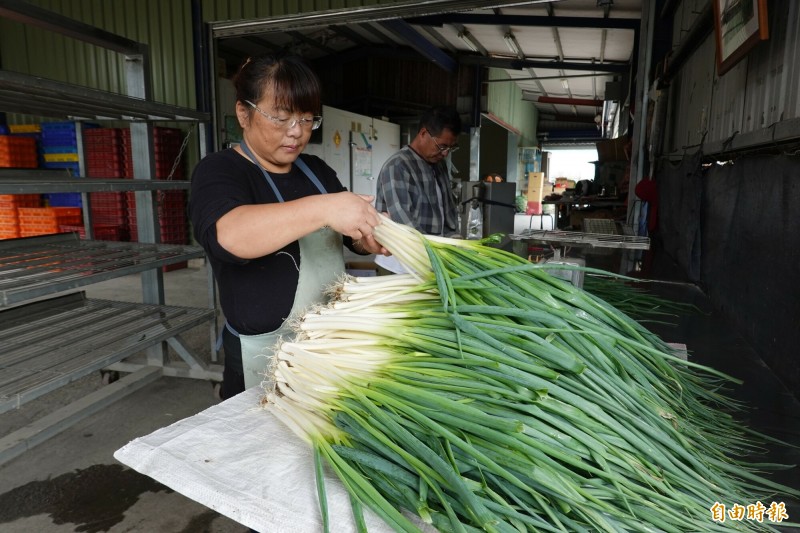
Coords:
pixel 175 266
pixel 110 215
pixel 109 200
pixel 102 232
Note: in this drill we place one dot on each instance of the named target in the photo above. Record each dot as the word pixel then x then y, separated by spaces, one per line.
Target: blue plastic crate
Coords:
pixel 57 126
pixel 74 168
pixel 59 137
pixel 63 199
pixel 59 149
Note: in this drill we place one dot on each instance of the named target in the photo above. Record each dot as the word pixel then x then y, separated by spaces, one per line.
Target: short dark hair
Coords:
pixel 296 87
pixel 441 117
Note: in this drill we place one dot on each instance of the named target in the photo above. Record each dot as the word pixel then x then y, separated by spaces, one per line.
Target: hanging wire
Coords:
pixel 162 194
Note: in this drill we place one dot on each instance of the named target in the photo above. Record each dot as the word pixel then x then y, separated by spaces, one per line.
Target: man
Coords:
pixel 414 184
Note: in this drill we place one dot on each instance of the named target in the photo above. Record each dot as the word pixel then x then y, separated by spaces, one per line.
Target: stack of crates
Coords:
pixel 171 216
pixel 60 146
pixel 46 220
pixel 105 154
pixel 172 220
pixel 9 212
pixel 166 147
pixel 18 151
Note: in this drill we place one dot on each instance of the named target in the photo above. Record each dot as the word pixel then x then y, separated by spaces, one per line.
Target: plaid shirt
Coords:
pixel 417 194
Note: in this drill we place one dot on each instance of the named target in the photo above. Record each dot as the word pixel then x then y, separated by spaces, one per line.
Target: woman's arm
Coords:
pixel 250 231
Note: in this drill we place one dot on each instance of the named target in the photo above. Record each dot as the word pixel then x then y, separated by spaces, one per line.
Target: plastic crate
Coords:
pixel 63 199
pixel 102 232
pixel 38 228
pixel 109 200
pixel 74 168
pixel 175 266
pixel 54 158
pixel 25 128
pixel 110 215
pixel 49 216
pixel 17 151
pixel 9 234
pixel 19 200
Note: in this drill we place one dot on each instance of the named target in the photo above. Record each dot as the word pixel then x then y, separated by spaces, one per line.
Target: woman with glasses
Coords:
pixel 414 183
pixel 271 219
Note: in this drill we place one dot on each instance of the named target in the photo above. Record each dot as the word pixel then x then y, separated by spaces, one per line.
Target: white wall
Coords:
pixel 374 141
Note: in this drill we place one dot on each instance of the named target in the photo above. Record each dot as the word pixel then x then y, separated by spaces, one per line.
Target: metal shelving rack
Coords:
pixel 48 341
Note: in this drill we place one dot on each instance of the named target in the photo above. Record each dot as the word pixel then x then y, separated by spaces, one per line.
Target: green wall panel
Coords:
pixel 504 100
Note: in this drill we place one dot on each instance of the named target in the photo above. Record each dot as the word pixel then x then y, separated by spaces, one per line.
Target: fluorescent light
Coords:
pixel 513 45
pixel 469 40
pixel 565 84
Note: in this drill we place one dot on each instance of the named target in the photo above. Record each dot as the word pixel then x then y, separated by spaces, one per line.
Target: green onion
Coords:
pixel 480 393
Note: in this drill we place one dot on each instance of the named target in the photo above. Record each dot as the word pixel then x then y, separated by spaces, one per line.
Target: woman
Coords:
pixel 270 220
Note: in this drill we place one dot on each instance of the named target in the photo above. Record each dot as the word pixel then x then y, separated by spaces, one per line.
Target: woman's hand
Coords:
pixel 352 215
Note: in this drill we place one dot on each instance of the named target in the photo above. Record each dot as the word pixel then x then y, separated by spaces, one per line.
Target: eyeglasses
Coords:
pixel 289 123
pixel 444 149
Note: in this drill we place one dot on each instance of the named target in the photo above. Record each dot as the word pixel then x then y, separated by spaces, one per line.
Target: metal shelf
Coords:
pixel 15 184
pixel 31 95
pixel 32 267
pixel 46 345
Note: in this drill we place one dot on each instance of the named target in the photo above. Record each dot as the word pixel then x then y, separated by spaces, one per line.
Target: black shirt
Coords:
pixel 256 295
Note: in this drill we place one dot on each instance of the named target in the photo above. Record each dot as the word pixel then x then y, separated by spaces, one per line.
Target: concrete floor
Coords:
pixel 72 482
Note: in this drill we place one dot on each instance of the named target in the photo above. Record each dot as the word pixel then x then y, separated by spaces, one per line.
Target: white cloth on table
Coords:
pixel 242 462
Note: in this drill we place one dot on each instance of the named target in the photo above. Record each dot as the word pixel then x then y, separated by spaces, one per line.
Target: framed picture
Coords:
pixel 738 26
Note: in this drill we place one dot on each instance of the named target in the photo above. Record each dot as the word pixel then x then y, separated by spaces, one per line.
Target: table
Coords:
pixel 240 461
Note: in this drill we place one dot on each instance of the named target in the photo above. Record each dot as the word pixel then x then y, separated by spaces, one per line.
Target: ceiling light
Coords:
pixel 469 40
pixel 565 84
pixel 513 45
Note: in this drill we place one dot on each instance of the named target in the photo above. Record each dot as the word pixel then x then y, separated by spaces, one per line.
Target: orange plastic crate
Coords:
pixel 8 217
pixel 52 216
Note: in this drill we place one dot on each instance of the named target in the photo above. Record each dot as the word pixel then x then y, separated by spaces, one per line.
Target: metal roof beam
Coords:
pixel 345 31
pixel 312 42
pixel 528 20
pixel 422 45
pixel 519 64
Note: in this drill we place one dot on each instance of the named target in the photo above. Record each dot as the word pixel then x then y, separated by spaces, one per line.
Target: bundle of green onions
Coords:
pixel 480 393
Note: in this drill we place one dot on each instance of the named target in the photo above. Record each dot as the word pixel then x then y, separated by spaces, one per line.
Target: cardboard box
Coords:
pixel 535 193
pixel 576 216
pixel 612 149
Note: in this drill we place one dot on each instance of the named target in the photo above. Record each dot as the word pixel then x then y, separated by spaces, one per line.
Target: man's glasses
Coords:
pixel 444 149
pixel 289 123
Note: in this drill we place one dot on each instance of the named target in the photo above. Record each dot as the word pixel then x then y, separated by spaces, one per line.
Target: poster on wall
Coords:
pixel 739 25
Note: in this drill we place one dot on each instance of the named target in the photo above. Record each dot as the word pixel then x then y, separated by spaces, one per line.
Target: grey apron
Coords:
pixel 321 264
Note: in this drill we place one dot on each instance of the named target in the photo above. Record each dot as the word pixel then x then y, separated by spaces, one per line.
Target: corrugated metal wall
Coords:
pixel 505 101
pixel 744 107
pixel 165 25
